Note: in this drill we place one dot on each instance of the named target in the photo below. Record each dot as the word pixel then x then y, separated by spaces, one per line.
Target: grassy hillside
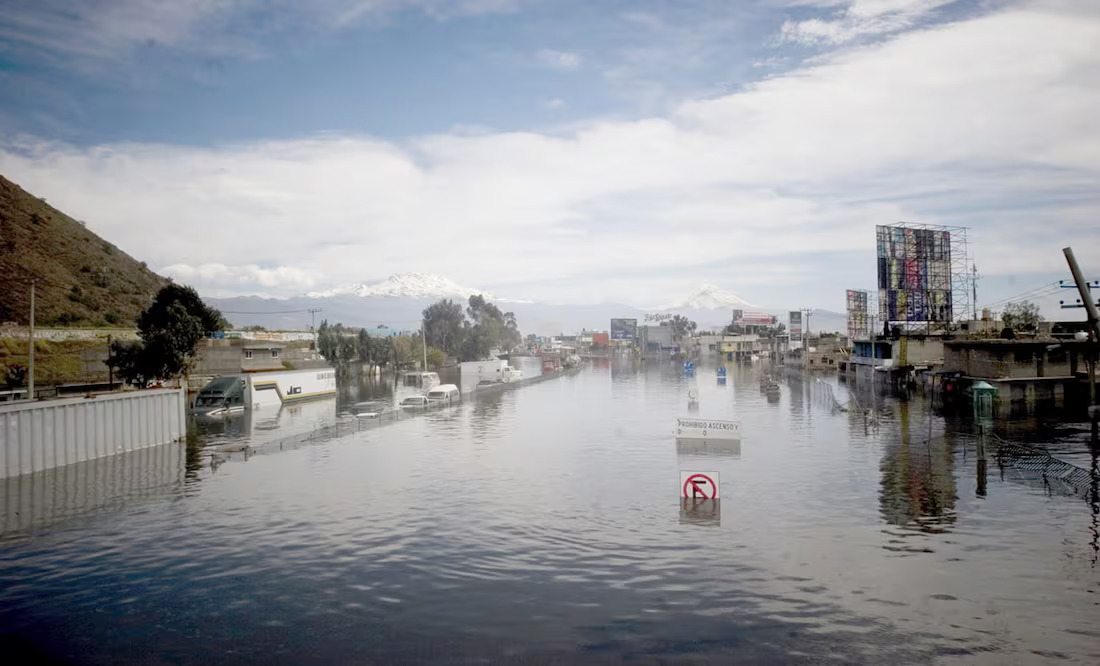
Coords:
pixel 83 280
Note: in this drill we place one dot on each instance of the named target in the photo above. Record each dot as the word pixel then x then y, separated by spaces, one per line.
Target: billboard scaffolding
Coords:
pixel 922 273
pixel 858 318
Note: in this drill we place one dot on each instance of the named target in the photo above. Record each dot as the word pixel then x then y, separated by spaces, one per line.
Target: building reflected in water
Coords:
pixel 918 488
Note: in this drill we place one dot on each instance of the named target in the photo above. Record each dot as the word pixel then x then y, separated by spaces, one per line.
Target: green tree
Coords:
pixel 1022 316
pixel 338 345
pixel 157 315
pixel 682 327
pixel 402 350
pixel 471 335
pixel 128 358
pixel 476 343
pixel 327 340
pixel 512 336
pixel 15 375
pixel 365 347
pixel 443 325
pixel 436 358
pixel 170 329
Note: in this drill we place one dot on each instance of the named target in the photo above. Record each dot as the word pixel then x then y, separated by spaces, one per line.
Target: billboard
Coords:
pixel 750 318
pixel 914 274
pixel 657 336
pixel 794 329
pixel 858 320
pixel 624 329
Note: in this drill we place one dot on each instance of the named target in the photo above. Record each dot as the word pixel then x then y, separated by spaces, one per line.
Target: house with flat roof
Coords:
pixel 1028 375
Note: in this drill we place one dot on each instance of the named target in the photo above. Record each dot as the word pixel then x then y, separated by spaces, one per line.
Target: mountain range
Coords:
pixel 397 303
pixel 84 279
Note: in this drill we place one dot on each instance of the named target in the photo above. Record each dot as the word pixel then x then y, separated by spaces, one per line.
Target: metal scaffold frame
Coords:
pixel 950 274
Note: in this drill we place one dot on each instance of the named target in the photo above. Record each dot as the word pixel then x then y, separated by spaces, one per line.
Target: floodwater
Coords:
pixel 544 525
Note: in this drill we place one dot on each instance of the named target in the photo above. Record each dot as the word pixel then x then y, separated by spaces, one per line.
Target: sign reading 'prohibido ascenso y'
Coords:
pixel 688 428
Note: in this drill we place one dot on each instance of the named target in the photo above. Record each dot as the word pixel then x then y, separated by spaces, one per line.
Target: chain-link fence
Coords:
pixel 1036 463
pixel 825 394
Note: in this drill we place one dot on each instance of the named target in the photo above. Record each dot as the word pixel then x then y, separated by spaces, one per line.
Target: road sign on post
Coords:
pixel 713 429
pixel 699 485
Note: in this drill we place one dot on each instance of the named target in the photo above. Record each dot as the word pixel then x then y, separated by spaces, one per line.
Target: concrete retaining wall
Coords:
pixel 61 334
pixel 36 436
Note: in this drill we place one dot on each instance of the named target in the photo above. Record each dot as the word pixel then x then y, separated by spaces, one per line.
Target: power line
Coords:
pixel 1042 291
pixel 264 313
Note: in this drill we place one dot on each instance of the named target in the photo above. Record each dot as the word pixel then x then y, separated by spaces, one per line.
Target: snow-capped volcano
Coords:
pixel 712 297
pixel 405 285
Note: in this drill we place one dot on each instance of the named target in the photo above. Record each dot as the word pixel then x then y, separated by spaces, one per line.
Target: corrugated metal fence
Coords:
pixel 36 436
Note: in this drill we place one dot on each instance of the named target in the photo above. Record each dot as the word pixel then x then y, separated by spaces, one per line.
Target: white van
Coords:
pixel 444 394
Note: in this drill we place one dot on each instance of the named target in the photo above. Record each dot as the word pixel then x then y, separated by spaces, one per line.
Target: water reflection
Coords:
pixel 538 526
pixel 256 428
pixel 918 482
pixel 703 447
pixel 701 512
pixel 35 501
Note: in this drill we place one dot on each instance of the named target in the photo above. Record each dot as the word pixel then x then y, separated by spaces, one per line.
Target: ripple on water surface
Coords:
pixel 543 524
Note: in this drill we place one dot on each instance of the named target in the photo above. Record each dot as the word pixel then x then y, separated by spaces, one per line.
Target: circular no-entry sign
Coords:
pixel 699 485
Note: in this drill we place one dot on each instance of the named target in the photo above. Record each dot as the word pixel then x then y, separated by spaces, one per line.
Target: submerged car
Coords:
pixel 370 409
pixel 444 394
pixel 414 402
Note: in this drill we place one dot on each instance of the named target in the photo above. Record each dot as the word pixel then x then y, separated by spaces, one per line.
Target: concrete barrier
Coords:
pixel 36 436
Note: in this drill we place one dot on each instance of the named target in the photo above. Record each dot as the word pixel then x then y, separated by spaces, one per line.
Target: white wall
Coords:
pixel 36 436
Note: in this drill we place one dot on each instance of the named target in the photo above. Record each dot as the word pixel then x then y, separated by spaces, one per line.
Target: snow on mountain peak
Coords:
pixel 405 285
pixel 713 297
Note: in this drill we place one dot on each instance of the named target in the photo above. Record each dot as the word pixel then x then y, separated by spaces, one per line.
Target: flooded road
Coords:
pixel 543 525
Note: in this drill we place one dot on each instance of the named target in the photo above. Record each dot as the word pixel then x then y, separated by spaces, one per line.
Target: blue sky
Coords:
pixel 560 150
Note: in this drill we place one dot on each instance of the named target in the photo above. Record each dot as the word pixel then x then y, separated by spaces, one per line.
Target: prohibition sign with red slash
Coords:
pixel 700 486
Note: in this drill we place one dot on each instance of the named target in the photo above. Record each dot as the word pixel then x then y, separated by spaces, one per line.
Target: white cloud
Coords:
pixel 555 103
pixel 562 60
pixel 222 280
pixel 956 124
pixel 86 31
pixel 859 18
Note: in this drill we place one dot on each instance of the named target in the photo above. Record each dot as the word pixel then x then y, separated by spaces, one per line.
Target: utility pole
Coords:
pixel 974 292
pixel 110 368
pixel 874 364
pixel 313 317
pixel 806 314
pixel 30 364
pixel 424 339
pixel 1094 336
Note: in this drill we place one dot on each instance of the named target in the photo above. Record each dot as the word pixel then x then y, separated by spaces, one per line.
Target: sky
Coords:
pixel 567 151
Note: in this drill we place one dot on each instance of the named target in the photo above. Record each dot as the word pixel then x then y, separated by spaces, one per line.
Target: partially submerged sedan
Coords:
pixel 415 402
pixel 370 409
